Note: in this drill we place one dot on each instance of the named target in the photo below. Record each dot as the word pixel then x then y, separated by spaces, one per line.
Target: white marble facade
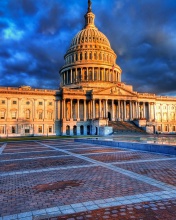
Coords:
pixel 90 90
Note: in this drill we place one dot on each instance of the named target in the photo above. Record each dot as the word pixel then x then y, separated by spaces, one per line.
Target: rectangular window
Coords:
pixel 50 129
pixel 50 103
pixel 2 129
pixel 14 102
pixel 40 103
pixel 14 115
pixel 159 128
pixel 2 102
pixel 173 128
pixel 27 130
pixel 2 115
pixel 13 129
pixel 40 115
pixel 39 129
pixel 165 128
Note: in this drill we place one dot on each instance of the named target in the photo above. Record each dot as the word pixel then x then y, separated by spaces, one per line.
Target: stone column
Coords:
pixel 106 108
pixel 58 109
pixel 161 108
pixel 137 110
pixel 119 113
pixel 81 75
pixel 71 109
pixel 93 108
pixel 113 118
pixel 45 109
pixel 93 76
pixel 144 113
pixel 131 111
pixel 63 78
pixel 149 110
pixel 85 111
pixel 87 74
pixel 8 109
pixel 63 108
pixel 100 108
pixel 78 117
pixel 71 76
pixel 168 113
pixel 76 74
pixel 124 105
pixel 19 108
pixel 67 77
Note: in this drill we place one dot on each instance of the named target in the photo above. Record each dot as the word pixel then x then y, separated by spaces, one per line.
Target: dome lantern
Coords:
pixel 89 17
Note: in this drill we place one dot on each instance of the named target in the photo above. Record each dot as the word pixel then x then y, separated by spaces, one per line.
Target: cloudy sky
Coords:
pixel 35 34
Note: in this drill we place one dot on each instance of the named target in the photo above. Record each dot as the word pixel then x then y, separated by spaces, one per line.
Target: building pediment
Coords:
pixel 116 90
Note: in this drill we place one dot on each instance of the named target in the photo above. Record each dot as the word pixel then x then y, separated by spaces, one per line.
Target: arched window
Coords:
pixel 90 56
pixel 100 56
pixel 95 56
pixel 85 55
pixel 108 58
pixel 104 57
pixel 85 75
pixel 68 130
pixel 90 74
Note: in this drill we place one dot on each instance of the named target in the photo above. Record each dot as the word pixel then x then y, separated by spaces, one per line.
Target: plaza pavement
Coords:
pixel 62 179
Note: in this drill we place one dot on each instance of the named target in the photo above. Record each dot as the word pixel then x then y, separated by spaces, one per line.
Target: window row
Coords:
pixel 89 56
pixel 166 128
pixel 24 129
pixel 165 107
pixel 27 115
pixel 14 102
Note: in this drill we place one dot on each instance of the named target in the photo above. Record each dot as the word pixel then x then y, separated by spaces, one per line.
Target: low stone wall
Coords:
pixel 165 149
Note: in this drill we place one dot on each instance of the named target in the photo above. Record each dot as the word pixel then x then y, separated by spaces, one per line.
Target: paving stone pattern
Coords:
pixel 124 156
pixel 62 179
pixel 15 156
pixel 164 171
pixel 160 210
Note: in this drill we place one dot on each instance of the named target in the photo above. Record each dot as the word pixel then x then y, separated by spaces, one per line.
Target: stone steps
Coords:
pixel 126 127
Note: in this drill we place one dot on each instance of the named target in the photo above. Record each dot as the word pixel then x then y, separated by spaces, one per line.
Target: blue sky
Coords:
pixel 35 35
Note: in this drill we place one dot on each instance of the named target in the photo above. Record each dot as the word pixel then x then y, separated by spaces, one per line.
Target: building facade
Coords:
pixel 91 94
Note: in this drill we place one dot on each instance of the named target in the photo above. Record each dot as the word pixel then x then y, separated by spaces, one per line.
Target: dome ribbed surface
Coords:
pixel 90 36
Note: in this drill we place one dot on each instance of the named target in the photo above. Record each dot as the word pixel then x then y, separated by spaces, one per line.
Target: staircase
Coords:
pixel 125 127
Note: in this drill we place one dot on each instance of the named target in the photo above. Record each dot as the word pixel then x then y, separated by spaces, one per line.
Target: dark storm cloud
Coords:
pixel 35 35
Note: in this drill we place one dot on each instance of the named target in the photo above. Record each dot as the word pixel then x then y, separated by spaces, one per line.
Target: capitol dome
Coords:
pixel 90 35
pixel 90 57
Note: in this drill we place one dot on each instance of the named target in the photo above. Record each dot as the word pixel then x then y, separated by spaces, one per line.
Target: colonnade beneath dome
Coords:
pixel 83 74
pixel 114 110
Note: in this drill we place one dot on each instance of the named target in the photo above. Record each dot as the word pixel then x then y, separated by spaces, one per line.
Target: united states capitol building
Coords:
pixel 91 100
